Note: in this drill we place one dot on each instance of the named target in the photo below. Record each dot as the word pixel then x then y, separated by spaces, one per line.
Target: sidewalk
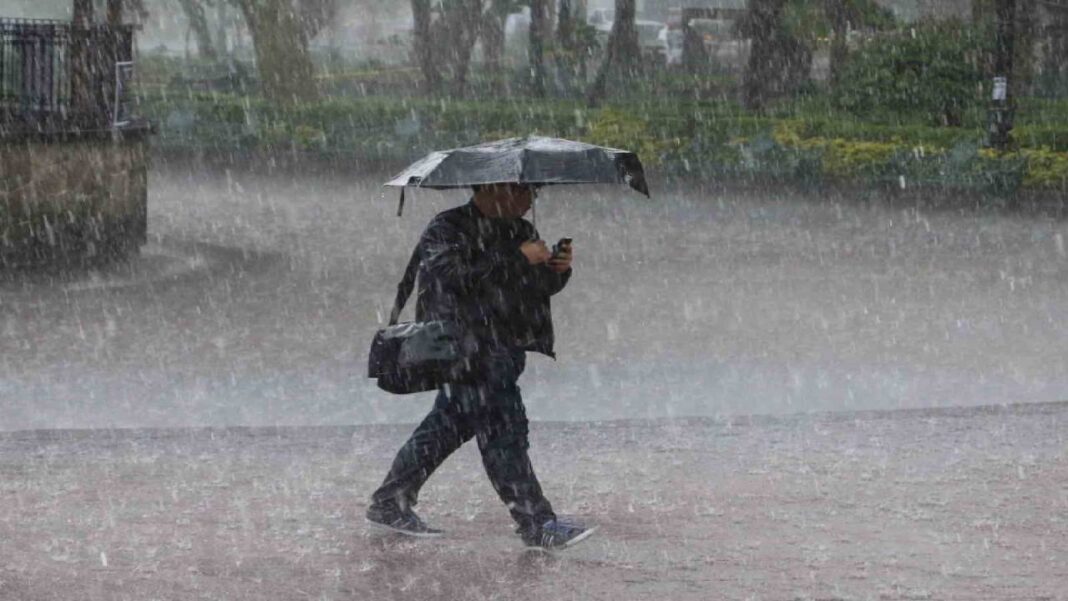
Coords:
pixel 940 504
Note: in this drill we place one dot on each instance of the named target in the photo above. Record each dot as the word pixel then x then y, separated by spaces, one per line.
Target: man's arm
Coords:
pixel 451 256
pixel 553 279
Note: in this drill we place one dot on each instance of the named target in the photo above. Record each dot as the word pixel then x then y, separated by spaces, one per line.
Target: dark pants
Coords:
pixel 490 410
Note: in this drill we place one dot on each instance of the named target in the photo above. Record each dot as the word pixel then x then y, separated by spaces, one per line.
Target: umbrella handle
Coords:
pixel 400 205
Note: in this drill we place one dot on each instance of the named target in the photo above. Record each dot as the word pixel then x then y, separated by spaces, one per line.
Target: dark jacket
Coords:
pixel 473 273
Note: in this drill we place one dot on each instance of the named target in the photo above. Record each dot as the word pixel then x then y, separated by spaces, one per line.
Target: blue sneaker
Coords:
pixel 406 522
pixel 556 534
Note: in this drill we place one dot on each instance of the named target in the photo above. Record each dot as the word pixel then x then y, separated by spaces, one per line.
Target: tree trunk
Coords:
pixel 1026 29
pixel 423 46
pixel 285 68
pixel 1004 49
pixel 565 29
pixel 1005 41
pixel 492 35
pixel 565 51
pixel 461 26
pixel 985 16
pixel 539 28
pixel 198 23
pixel 837 14
pixel 222 18
pixel 579 13
pixel 443 46
pixel 622 54
pixel 628 54
pixel 314 15
pixel 1056 55
pixel 763 25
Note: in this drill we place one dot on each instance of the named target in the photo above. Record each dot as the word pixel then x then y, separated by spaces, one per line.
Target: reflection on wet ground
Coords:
pixel 257 296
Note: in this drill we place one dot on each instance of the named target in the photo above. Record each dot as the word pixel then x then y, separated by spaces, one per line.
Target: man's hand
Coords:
pixel 536 252
pixel 561 262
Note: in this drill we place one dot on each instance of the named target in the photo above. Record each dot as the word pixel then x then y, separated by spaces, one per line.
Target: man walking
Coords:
pixel 483 267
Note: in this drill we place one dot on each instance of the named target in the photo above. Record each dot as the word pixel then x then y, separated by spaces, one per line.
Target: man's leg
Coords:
pixel 502 438
pixel 442 431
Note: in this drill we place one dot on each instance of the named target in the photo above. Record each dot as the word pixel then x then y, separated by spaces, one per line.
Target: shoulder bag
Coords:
pixel 414 356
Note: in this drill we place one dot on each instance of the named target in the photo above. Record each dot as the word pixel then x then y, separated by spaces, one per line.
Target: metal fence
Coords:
pixel 55 75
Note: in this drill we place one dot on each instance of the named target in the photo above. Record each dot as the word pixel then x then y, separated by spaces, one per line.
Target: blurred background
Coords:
pixel 857 204
pixel 853 90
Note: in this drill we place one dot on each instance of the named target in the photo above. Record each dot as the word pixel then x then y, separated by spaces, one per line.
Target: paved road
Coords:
pixel 256 299
pixel 961 504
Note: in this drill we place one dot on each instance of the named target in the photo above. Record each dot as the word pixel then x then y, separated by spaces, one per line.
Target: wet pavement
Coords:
pixel 924 504
pixel 255 300
pixel 257 296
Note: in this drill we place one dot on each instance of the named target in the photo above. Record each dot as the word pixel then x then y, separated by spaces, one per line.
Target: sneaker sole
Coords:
pixel 571 543
pixel 578 539
pixel 388 528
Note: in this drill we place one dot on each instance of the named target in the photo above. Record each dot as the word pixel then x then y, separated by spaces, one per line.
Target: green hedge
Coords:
pixel 932 72
pixel 679 137
pixel 386 128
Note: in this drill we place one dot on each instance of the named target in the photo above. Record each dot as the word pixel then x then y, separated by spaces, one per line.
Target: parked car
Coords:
pixel 649 38
pixel 712 33
pixel 670 40
pixel 601 19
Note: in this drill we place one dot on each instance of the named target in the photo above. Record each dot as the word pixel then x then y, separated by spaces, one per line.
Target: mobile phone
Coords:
pixel 559 246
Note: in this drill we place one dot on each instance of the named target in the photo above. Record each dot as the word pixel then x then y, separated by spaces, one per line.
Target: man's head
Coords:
pixel 505 201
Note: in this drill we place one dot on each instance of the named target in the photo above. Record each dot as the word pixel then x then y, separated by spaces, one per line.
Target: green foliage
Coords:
pixel 1051 136
pixel 908 134
pixel 806 20
pixel 765 157
pixel 619 129
pixel 971 165
pixel 1045 168
pixel 809 20
pixel 932 71
pixel 872 15
pixel 798 142
pixel 380 128
pixel 848 159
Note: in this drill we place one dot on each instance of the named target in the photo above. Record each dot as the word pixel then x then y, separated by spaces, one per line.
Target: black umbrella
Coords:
pixel 534 160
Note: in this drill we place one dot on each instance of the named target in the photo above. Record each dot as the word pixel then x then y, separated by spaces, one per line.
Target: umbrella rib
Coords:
pixel 522 165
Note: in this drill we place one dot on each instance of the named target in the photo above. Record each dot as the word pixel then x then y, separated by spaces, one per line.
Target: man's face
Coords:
pixel 512 201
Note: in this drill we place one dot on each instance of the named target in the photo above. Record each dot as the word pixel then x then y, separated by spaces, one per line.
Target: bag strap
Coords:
pixel 405 287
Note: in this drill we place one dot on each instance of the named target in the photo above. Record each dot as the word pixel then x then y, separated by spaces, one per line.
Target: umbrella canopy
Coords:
pixel 533 160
